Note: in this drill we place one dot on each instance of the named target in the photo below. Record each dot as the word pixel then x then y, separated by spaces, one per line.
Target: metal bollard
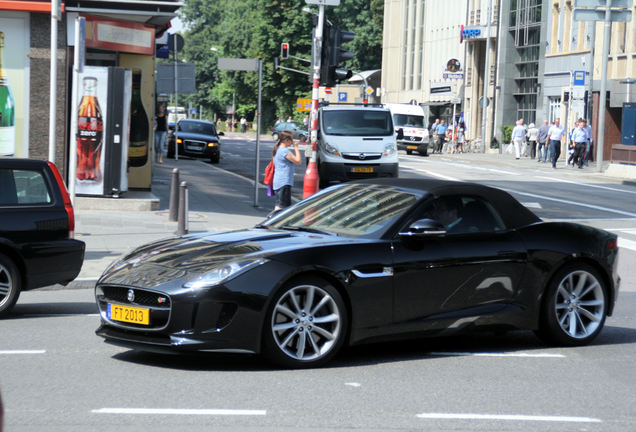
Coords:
pixel 174 195
pixel 182 223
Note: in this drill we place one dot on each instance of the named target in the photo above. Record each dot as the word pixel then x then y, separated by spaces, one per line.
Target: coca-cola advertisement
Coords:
pixel 102 131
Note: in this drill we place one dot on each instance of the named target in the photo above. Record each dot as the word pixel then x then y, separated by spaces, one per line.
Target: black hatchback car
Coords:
pixel 196 138
pixel 37 223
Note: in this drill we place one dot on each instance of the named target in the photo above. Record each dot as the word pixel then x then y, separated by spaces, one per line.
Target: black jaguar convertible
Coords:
pixel 360 262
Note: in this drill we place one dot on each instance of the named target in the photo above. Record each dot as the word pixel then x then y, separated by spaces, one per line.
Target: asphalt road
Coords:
pixel 56 375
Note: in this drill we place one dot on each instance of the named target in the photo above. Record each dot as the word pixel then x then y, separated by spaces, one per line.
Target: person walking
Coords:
pixel 441 136
pixel 461 138
pixel 589 148
pixel 532 140
pixel 161 130
pixel 284 161
pixel 433 133
pixel 555 134
pixel 579 137
pixel 518 137
pixel 542 140
pixel 243 124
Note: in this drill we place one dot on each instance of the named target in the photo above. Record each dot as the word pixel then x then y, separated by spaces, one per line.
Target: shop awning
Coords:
pixel 150 12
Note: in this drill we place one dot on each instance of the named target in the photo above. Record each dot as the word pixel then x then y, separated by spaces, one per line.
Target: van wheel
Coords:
pixel 423 152
pixel 408 152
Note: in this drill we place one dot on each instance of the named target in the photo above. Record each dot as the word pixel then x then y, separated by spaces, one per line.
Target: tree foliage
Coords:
pixel 255 29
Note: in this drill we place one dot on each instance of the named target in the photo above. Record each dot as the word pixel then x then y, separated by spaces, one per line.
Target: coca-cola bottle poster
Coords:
pixel 91 111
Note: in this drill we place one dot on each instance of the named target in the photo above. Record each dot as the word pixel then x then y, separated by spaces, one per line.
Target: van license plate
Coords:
pixel 411 147
pixel 362 169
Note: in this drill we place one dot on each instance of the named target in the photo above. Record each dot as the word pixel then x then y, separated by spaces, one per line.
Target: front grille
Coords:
pixel 362 156
pixel 194 145
pixel 158 304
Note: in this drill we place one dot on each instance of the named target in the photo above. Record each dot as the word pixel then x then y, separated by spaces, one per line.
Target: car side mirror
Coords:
pixel 221 134
pixel 400 133
pixel 423 228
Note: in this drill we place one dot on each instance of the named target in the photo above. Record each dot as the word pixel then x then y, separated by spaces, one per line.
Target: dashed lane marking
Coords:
pixel 21 352
pixel 180 411
pixel 495 354
pixel 507 417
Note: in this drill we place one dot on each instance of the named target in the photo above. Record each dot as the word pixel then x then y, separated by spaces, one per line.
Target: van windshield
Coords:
pixel 357 123
pixel 408 120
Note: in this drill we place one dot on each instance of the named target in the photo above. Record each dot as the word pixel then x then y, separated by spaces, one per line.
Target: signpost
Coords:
pixel 241 64
pixel 601 10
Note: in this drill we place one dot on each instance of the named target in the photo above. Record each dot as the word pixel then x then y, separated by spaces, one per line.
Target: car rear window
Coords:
pixel 23 187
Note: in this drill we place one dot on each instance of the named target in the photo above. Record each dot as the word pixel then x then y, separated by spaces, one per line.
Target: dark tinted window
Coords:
pixel 464 214
pixel 197 127
pixel 19 187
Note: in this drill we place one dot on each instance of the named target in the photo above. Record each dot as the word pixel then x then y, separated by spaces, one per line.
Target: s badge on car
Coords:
pixel 131 295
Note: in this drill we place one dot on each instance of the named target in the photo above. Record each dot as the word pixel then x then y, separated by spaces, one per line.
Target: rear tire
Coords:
pixel 10 284
pixel 275 136
pixel 574 306
pixel 305 325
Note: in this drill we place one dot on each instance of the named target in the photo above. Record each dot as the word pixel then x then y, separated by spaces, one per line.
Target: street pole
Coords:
pixel 602 96
pixel 484 108
pixel 176 97
pixel 80 23
pixel 258 131
pixel 311 180
pixel 55 16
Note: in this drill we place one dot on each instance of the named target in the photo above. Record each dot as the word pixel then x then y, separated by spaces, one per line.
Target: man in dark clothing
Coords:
pixel 542 140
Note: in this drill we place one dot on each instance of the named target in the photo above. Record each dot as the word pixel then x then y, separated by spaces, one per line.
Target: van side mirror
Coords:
pixel 400 133
pixel 423 228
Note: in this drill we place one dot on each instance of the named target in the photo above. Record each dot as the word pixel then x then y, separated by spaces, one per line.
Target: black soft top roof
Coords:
pixel 511 211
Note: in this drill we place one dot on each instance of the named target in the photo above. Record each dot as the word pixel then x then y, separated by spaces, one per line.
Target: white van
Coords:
pixel 355 142
pixel 410 118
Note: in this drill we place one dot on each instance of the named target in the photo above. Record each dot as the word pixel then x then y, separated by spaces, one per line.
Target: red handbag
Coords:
pixel 269 174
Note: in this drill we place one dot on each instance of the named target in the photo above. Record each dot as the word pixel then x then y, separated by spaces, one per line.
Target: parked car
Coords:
pixel 37 223
pixel 361 261
pixel 298 131
pixel 196 138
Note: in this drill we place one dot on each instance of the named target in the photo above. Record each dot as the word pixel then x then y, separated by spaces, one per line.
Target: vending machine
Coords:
pixel 103 124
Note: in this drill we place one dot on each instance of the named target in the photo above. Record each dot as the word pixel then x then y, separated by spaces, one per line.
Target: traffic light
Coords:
pixel 333 54
pixel 284 50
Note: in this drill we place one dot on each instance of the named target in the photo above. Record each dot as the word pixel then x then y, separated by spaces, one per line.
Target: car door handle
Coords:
pixel 386 271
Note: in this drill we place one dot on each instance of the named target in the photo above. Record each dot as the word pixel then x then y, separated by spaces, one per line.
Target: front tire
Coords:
pixel 574 306
pixel 10 284
pixel 305 325
pixel 275 136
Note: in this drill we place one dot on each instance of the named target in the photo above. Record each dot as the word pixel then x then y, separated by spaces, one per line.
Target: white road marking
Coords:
pixel 432 174
pixel 577 182
pixel 22 352
pixel 626 244
pixel 353 384
pixel 532 205
pixel 510 417
pixel 180 411
pixel 503 354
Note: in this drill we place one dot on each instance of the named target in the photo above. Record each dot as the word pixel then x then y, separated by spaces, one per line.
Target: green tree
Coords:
pixel 255 29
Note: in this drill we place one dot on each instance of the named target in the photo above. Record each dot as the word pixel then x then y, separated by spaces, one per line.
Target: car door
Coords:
pixel 472 269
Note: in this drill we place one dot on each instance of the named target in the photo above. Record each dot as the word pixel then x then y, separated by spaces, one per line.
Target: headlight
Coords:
pixel 331 150
pixel 389 149
pixel 224 273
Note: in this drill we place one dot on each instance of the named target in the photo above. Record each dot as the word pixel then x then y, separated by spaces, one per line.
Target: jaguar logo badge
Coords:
pixel 131 295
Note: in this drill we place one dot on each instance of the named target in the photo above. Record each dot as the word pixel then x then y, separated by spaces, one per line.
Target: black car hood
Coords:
pixel 188 256
pixel 196 136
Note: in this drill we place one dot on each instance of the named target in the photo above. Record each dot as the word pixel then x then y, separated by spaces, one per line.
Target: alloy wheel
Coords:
pixel 306 323
pixel 580 304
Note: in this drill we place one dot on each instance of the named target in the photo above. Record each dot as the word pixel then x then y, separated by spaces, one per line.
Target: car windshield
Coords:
pixel 197 127
pixel 354 210
pixel 357 123
pixel 401 120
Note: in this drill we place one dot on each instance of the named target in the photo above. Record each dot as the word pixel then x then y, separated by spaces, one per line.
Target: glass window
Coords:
pixel 197 127
pixel 18 187
pixel 408 120
pixel 464 214
pixel 353 210
pixel 357 123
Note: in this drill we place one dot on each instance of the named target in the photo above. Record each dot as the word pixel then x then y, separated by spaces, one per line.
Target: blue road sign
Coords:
pixel 579 78
pixel 342 96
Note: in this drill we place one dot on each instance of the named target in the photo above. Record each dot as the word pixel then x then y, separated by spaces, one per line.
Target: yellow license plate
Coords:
pixel 362 169
pixel 128 314
pixel 411 147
